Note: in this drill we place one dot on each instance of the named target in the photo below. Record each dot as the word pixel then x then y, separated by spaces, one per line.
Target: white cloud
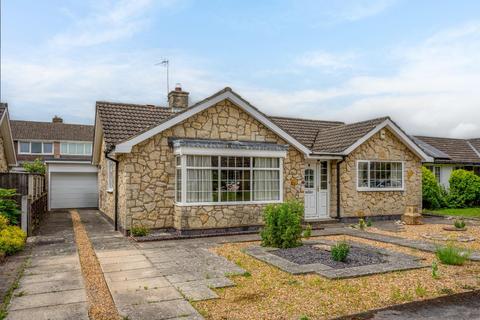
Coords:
pixel 109 22
pixel 433 92
pixel 327 61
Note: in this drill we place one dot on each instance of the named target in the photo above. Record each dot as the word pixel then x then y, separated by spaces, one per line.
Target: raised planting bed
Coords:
pixel 314 257
pixel 309 254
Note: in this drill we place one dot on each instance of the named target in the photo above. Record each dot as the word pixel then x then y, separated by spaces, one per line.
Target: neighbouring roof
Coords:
pixel 22 129
pixel 449 150
pixel 340 138
pixel 304 130
pixel 121 121
pixel 222 144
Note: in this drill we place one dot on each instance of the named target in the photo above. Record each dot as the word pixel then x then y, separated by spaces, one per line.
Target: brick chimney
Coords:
pixel 178 99
pixel 57 119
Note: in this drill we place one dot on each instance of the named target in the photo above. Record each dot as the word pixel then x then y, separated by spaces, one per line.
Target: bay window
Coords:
pixel 227 179
pixel 380 175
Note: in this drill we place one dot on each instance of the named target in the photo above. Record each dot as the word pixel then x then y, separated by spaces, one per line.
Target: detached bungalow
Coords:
pixel 217 163
pixel 449 154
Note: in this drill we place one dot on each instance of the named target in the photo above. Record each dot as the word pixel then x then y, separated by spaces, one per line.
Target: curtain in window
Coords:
pixel 266 185
pixel 199 181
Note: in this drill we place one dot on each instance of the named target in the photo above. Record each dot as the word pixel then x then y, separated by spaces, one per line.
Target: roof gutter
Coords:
pixel 116 188
pixel 338 186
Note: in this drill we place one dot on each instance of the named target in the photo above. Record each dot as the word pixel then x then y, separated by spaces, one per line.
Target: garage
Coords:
pixel 72 185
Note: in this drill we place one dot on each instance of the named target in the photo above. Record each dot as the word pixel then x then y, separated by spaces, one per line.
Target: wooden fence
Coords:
pixel 31 197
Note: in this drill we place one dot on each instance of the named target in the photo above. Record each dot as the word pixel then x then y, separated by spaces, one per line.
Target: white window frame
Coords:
pixel 76 142
pixel 30 147
pixel 239 153
pixel 110 175
pixel 378 189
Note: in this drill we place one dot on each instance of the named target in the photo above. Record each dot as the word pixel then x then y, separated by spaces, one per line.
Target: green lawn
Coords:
pixel 465 212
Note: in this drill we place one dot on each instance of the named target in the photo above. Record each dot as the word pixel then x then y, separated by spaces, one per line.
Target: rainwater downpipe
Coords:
pixel 338 186
pixel 116 188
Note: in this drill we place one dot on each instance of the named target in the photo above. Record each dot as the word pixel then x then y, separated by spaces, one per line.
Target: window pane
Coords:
pixel 25 147
pixel 64 148
pixel 266 185
pixel 88 148
pixel 72 148
pixel 309 178
pixel 363 174
pixel 382 175
pixel 179 184
pixel 199 161
pixel 36 147
pixel 199 185
pixel 266 162
pixel 47 147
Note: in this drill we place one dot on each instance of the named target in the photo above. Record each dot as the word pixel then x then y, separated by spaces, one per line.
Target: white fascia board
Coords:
pixel 398 133
pixel 126 146
pixel 229 152
pixel 97 141
pixel 5 126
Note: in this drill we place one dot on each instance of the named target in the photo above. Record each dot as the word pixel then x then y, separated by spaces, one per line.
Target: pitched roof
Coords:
pixel 121 121
pixel 304 130
pixel 125 125
pixel 51 131
pixel 340 138
pixel 476 144
pixel 456 150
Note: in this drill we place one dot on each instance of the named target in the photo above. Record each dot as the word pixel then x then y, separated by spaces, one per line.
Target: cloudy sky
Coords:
pixel 417 61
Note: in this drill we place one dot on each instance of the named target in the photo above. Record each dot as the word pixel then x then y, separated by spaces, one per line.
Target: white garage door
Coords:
pixel 73 190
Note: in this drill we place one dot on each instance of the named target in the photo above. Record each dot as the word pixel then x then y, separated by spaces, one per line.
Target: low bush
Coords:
pixel 8 206
pixel 307 233
pixel 340 251
pixel 452 255
pixel 459 223
pixel 139 231
pixel 37 166
pixel 12 239
pixel 283 228
pixel 433 195
pixel 464 189
pixel 362 224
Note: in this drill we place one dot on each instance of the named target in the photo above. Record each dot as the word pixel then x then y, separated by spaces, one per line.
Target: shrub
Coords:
pixel 464 189
pixel 452 255
pixel 433 195
pixel 459 224
pixel 369 222
pixel 12 239
pixel 307 233
pixel 3 222
pixel 435 274
pixel 283 227
pixel 361 224
pixel 340 251
pixel 8 206
pixel 139 231
pixel 37 166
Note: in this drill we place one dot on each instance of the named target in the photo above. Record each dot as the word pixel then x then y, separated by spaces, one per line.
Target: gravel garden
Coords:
pixel 284 280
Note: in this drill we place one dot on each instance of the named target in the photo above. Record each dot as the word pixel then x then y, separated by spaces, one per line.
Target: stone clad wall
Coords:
pixel 149 173
pixel 106 199
pixel 3 157
pixel 368 203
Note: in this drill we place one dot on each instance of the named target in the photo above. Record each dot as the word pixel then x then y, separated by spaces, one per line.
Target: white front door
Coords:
pixel 310 193
pixel 316 190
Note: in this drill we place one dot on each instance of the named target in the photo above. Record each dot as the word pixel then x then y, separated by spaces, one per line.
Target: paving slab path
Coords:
pixel 139 289
pixel 52 285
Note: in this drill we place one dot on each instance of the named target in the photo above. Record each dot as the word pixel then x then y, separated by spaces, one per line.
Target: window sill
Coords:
pixel 237 203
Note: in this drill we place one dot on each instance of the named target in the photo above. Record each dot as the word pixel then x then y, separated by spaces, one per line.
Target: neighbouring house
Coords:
pixel 66 149
pixel 449 154
pixel 7 150
pixel 217 163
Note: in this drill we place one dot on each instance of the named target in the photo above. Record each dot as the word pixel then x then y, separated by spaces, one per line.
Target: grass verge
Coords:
pixel 463 212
